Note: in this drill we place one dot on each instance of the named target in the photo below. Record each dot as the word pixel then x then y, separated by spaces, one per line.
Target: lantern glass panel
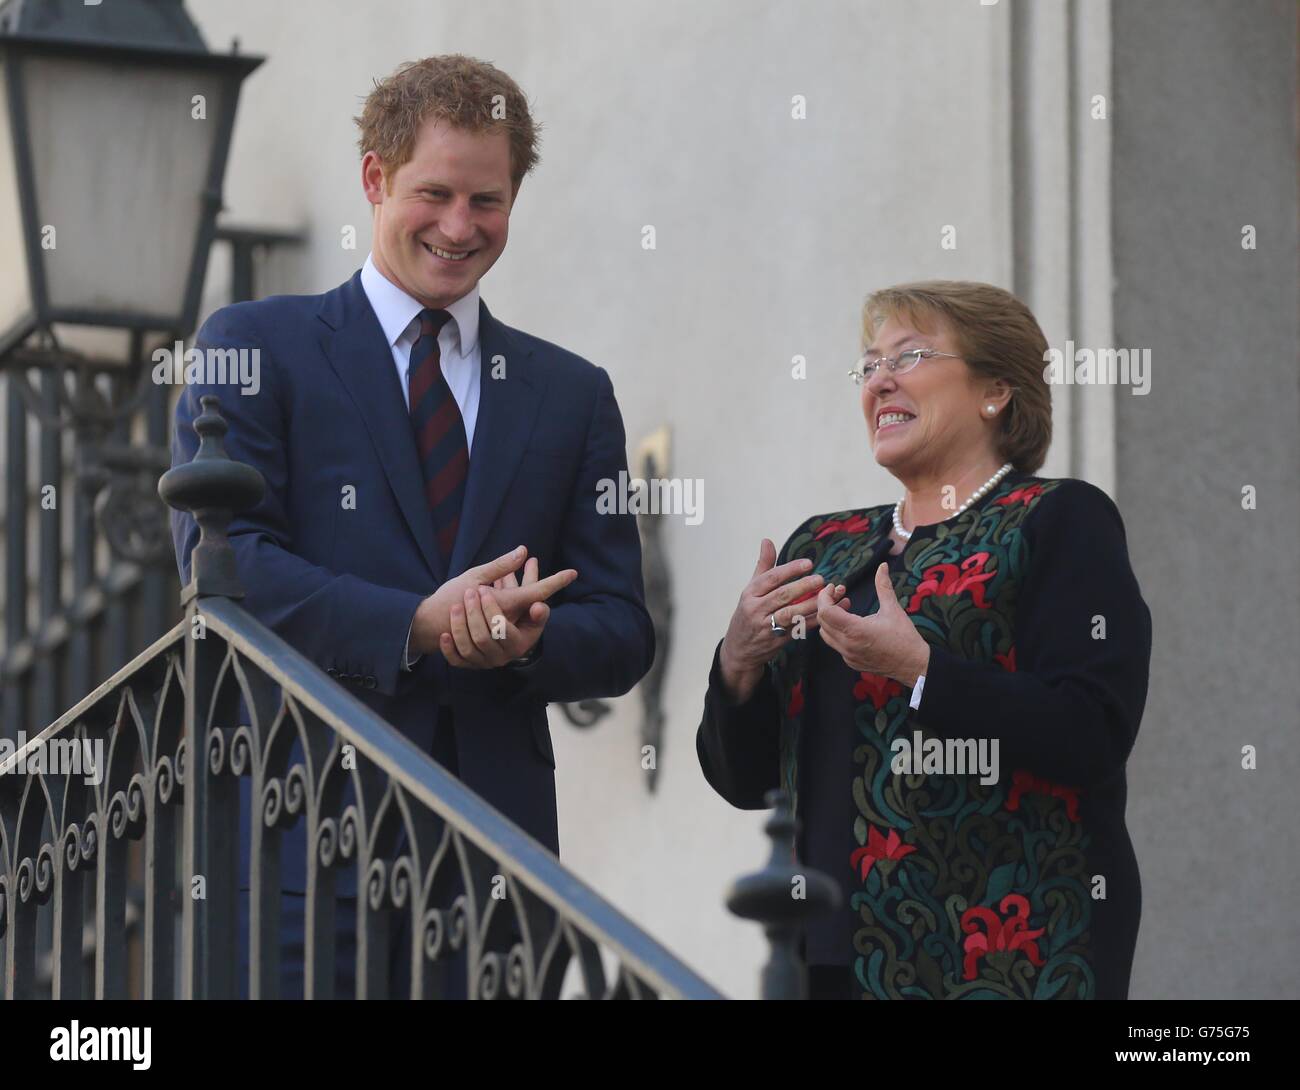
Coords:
pixel 120 156
pixel 15 296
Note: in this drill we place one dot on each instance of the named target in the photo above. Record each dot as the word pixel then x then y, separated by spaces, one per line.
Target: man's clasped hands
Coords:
pixel 486 616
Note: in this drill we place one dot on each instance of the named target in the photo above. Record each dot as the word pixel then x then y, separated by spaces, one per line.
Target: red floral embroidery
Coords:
pixel 999 935
pixel 878 848
pixel 796 700
pixel 945 579
pixel 1007 661
pixel 858 524
pixel 1024 495
pixel 1024 783
pixel 876 686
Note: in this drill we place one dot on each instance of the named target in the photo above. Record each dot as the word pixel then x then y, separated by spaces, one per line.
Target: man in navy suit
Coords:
pixel 411 442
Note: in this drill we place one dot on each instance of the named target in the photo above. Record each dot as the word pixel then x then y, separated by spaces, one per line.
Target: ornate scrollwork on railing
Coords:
pixel 234 760
pixel 63 827
pixel 479 904
pixel 453 899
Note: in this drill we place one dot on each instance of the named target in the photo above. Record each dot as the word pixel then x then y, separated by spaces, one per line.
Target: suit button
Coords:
pixel 371 681
pixel 332 672
pixel 354 678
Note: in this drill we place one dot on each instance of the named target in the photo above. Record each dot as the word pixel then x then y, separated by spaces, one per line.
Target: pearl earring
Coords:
pixel 990 409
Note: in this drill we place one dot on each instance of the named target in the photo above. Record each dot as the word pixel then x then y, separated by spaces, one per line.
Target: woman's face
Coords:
pixel 947 428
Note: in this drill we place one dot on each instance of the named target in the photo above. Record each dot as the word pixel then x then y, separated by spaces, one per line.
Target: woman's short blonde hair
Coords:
pixel 997 336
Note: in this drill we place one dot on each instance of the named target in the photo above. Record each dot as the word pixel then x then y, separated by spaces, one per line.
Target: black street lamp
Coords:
pixel 115 124
pixel 118 122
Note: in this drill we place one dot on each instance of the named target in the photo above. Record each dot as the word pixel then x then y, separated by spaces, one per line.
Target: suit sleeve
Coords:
pixel 338 621
pixel 1069 712
pixel 599 640
pixel 739 745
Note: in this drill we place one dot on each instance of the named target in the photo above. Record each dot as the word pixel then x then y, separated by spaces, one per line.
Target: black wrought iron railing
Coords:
pixel 156 757
pixel 85 548
pixel 117 767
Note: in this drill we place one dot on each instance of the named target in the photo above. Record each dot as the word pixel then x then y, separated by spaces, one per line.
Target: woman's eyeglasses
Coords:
pixel 897 365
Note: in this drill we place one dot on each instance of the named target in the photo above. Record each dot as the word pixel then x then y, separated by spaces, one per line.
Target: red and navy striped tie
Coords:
pixel 439 432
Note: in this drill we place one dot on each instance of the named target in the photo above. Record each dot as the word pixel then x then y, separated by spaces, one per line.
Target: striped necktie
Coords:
pixel 439 432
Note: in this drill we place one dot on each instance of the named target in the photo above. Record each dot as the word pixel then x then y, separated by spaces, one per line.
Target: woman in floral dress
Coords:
pixel 948 687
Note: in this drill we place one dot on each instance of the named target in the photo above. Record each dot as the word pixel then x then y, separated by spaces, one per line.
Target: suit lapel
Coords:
pixel 357 350
pixel 507 411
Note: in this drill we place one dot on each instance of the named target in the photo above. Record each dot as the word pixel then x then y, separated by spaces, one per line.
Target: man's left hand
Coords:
pixel 482 638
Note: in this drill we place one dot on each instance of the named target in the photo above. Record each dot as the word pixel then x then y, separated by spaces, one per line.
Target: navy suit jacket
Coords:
pixel 342 585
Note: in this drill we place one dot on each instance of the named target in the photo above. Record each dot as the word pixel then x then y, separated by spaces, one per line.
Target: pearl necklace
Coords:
pixel 978 494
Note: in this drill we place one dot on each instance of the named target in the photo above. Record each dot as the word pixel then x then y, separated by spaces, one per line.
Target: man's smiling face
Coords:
pixel 442 218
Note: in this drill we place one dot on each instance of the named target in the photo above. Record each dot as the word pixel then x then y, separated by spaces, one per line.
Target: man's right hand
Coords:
pixel 433 617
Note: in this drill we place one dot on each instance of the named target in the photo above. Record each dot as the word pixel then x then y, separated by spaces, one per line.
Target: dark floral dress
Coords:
pixel 1021 888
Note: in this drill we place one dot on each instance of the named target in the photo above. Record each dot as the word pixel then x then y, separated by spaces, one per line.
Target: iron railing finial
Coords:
pixel 783 896
pixel 214 489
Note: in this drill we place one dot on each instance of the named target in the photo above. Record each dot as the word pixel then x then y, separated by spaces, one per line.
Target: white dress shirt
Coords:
pixel 458 349
pixel 457 340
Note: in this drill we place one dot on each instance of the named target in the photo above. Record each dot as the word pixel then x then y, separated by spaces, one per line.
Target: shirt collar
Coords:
pixel 396 310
